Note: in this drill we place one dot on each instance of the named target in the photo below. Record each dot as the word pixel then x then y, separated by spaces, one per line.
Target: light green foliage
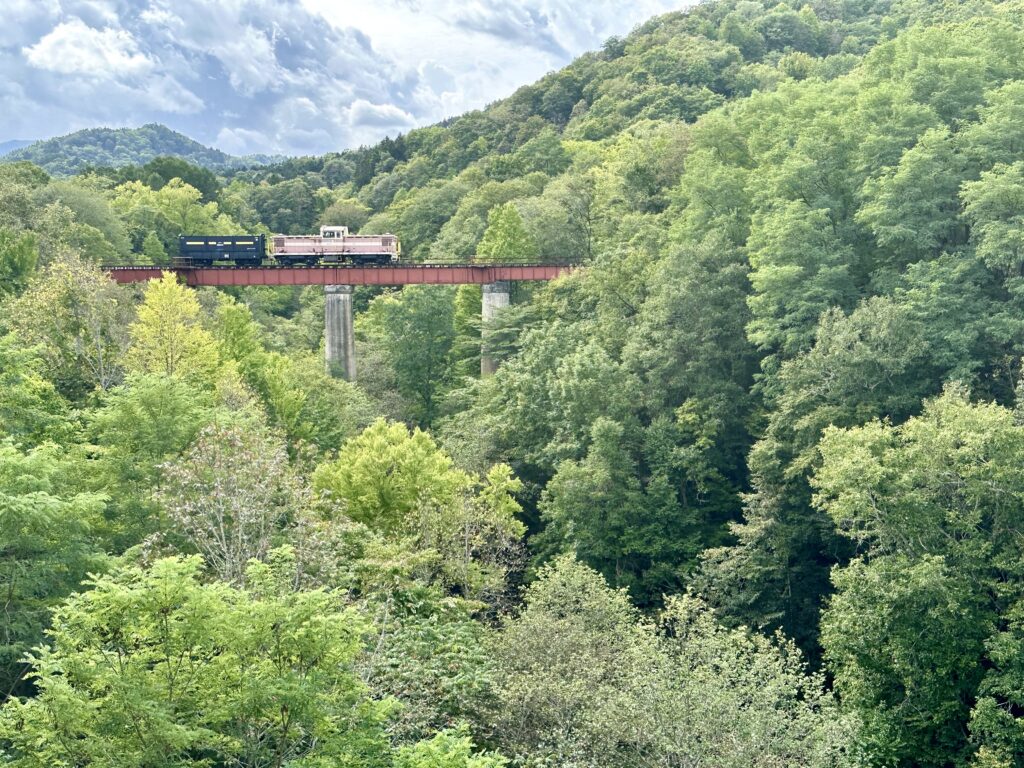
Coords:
pixel 46 530
pixel 506 238
pixel 399 484
pixel 946 67
pixel 432 656
pixel 912 210
pixel 713 194
pixel 583 680
pixel 997 136
pixel 385 472
pixel 79 320
pixel 148 418
pixel 174 209
pixel 203 671
pixel 167 337
pixel 993 206
pixel 299 396
pixel 310 405
pixel 449 749
pixel 153 250
pixel 236 330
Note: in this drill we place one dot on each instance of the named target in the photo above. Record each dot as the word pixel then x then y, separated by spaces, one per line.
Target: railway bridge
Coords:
pixel 339 280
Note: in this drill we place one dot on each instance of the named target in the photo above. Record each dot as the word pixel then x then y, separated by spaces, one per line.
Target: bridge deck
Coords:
pixel 400 274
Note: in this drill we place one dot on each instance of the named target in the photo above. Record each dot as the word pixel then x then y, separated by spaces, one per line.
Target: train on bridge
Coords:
pixel 333 246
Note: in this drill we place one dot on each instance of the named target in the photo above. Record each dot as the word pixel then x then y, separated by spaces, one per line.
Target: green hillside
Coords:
pixel 117 147
pixel 747 488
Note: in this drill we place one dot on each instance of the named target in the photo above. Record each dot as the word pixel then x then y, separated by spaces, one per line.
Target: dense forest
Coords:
pixel 747 488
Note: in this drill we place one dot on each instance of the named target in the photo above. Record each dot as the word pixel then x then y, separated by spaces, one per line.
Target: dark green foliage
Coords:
pixel 932 505
pixel 48 548
pixel 411 334
pixel 160 170
pixel 287 207
pixel 18 257
pixel 31 409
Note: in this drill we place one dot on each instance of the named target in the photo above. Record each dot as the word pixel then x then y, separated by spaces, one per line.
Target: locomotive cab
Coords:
pixel 336 233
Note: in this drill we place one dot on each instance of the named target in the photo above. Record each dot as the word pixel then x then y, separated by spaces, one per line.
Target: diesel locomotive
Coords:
pixel 334 245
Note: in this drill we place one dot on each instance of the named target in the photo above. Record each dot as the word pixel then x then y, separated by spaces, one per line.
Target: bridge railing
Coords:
pixel 401 273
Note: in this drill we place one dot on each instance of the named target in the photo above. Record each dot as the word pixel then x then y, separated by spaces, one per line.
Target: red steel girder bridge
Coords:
pixel 390 274
pixel 338 280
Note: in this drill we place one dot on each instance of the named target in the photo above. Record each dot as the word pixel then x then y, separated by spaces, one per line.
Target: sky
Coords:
pixel 284 76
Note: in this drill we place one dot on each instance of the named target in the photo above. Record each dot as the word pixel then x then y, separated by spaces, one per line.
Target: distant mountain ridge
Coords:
pixel 13 144
pixel 116 147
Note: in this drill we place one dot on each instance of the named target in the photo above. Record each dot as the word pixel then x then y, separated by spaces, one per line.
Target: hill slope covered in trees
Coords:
pixel 746 490
pixel 116 147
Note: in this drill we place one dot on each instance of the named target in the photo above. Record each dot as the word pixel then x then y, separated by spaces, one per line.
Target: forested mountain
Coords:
pixel 116 147
pixel 746 490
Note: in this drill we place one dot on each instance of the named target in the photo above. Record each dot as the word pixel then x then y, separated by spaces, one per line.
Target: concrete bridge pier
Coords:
pixel 339 334
pixel 495 299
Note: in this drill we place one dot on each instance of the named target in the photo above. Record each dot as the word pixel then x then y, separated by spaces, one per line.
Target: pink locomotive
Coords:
pixel 334 245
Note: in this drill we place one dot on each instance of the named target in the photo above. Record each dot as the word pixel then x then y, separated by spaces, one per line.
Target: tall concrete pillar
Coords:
pixel 339 336
pixel 496 298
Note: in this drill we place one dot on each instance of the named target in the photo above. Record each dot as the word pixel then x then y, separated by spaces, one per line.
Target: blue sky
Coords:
pixel 292 76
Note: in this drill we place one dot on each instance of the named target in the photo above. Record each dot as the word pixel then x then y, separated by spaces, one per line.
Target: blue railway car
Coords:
pixel 203 250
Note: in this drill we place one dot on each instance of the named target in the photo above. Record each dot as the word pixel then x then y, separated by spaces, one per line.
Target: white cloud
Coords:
pixel 288 76
pixel 363 112
pixel 239 141
pixel 166 94
pixel 75 48
pixel 248 56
